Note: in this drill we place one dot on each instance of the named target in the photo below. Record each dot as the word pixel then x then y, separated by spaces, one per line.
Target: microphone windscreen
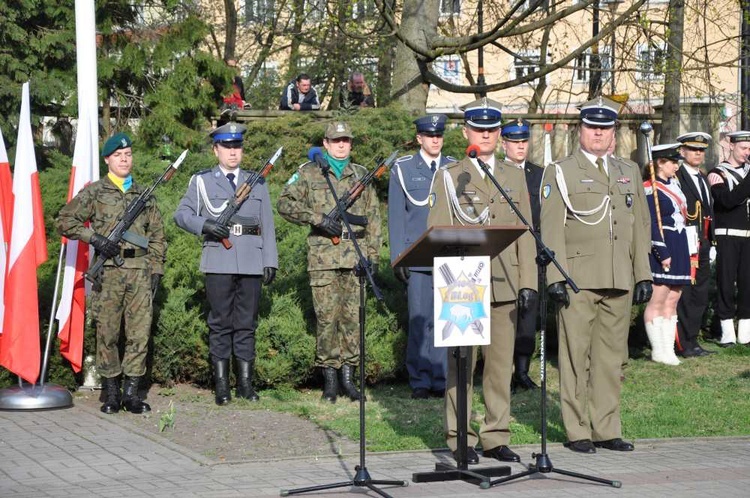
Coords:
pixel 472 151
pixel 314 152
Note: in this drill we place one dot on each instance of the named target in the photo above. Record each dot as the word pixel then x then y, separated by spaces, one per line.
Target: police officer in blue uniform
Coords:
pixel 515 135
pixel 234 275
pixel 408 192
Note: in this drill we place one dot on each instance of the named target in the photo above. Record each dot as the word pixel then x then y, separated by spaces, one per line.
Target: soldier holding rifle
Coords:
pixel 239 254
pixel 307 200
pixel 126 290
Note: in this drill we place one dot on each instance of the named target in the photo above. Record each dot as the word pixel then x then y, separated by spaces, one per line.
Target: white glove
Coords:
pixel 712 254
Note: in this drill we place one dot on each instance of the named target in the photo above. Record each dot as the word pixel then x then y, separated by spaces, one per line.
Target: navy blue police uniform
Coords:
pixel 408 192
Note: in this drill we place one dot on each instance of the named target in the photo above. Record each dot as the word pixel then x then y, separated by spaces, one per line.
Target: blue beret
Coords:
pixel 230 132
pixel 116 142
pixel 518 130
pixel 433 124
pixel 667 151
pixel 600 112
pixel 483 113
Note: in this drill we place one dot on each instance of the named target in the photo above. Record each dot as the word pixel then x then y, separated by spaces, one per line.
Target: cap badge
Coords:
pixel 340 128
pixel 124 143
pixel 233 128
pixel 435 120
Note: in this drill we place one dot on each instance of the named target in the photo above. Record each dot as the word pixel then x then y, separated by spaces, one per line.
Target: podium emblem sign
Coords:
pixel 462 289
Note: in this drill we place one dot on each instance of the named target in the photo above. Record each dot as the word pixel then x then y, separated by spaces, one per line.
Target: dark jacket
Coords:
pixel 290 96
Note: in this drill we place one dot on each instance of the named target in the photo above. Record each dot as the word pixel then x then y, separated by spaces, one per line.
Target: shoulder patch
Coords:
pixel 546 190
pixel 433 197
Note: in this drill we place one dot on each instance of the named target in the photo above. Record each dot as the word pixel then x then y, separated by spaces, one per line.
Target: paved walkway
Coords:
pixel 79 452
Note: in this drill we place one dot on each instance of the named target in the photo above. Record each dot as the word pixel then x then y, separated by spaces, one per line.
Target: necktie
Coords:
pixel 433 166
pixel 600 165
pixel 704 192
pixel 230 177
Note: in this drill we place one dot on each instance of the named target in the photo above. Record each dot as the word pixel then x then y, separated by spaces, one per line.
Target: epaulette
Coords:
pixel 203 171
pixel 451 159
pixel 404 158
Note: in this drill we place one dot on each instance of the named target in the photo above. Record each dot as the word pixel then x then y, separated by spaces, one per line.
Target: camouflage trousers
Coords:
pixel 125 294
pixel 336 300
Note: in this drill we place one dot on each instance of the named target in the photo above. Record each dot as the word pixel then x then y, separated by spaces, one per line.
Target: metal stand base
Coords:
pixel 362 479
pixel 446 472
pixel 544 466
pixel 28 397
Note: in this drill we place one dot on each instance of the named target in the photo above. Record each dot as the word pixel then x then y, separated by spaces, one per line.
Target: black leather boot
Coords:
pixel 111 387
pixel 521 379
pixel 347 386
pixel 131 400
pixel 222 396
pixel 245 380
pixel 331 388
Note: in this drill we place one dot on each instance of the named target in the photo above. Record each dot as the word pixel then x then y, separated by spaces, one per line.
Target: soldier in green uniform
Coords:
pixel 127 290
pixel 462 195
pixel 307 200
pixel 592 220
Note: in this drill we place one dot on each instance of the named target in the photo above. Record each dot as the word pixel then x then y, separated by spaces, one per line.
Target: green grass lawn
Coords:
pixel 707 396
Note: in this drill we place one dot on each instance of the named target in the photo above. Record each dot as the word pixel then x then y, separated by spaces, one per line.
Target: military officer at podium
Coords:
pixel 462 195
pixel 592 220
pixel 516 134
pixel 408 194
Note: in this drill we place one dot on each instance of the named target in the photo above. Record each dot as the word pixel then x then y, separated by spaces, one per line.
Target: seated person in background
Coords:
pixel 236 100
pixel 356 92
pixel 299 95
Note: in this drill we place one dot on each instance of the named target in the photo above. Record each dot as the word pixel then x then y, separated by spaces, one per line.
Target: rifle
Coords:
pixel 120 231
pixel 356 190
pixel 243 192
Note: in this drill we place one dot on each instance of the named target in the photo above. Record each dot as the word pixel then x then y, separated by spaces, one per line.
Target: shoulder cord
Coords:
pixel 563 187
pixel 406 192
pixel 202 194
pixel 729 176
pixel 455 207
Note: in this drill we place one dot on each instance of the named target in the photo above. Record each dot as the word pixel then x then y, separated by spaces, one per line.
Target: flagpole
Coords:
pixel 55 304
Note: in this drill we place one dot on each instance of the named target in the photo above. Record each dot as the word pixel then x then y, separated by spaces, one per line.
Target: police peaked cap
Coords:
pixel 434 124
pixel 517 130
pixel 230 132
pixel 667 151
pixel 695 139
pixel 600 112
pixel 116 142
pixel 483 113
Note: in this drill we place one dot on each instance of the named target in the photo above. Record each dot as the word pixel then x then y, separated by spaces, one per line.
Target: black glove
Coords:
pixel 215 230
pixel 105 247
pixel 155 279
pixel 526 299
pixel 329 226
pixel 402 273
pixel 269 274
pixel 354 219
pixel 643 291
pixel 559 294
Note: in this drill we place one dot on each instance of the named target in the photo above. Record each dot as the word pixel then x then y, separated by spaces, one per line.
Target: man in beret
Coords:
pixel 233 276
pixel 591 218
pixel 307 200
pixel 694 298
pixel 730 189
pixel 515 135
pixel 408 193
pixel 126 291
pixel 463 195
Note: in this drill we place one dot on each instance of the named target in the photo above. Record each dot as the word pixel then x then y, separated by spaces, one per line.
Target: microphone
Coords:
pixel 315 154
pixel 473 152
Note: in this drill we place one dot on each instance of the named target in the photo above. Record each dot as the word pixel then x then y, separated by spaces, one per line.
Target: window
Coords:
pixel 582 66
pixel 651 61
pixel 450 7
pixel 258 10
pixel 448 68
pixel 525 62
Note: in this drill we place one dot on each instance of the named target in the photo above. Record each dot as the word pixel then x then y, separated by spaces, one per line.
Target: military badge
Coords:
pixel 546 190
pixel 629 200
pixel 433 197
pixel 624 180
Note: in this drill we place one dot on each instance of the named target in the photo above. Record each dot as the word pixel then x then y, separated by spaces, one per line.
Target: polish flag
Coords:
pixel 6 210
pixel 20 350
pixel 71 312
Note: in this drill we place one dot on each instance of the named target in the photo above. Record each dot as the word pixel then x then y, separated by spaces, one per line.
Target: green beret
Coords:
pixel 116 142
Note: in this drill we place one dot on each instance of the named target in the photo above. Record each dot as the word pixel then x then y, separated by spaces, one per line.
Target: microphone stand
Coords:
pixel 363 270
pixel 544 257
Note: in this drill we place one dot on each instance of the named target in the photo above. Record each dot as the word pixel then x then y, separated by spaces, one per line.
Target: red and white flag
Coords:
pixel 20 350
pixel 6 210
pixel 71 312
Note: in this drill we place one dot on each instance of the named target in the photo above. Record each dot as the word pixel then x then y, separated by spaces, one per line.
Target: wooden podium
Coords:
pixel 444 241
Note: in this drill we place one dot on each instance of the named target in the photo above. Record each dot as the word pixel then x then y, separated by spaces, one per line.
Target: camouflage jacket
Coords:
pixel 306 198
pixel 102 204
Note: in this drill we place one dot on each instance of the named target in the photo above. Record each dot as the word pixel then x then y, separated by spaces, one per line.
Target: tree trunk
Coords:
pixel 419 25
pixel 670 125
pixel 230 43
